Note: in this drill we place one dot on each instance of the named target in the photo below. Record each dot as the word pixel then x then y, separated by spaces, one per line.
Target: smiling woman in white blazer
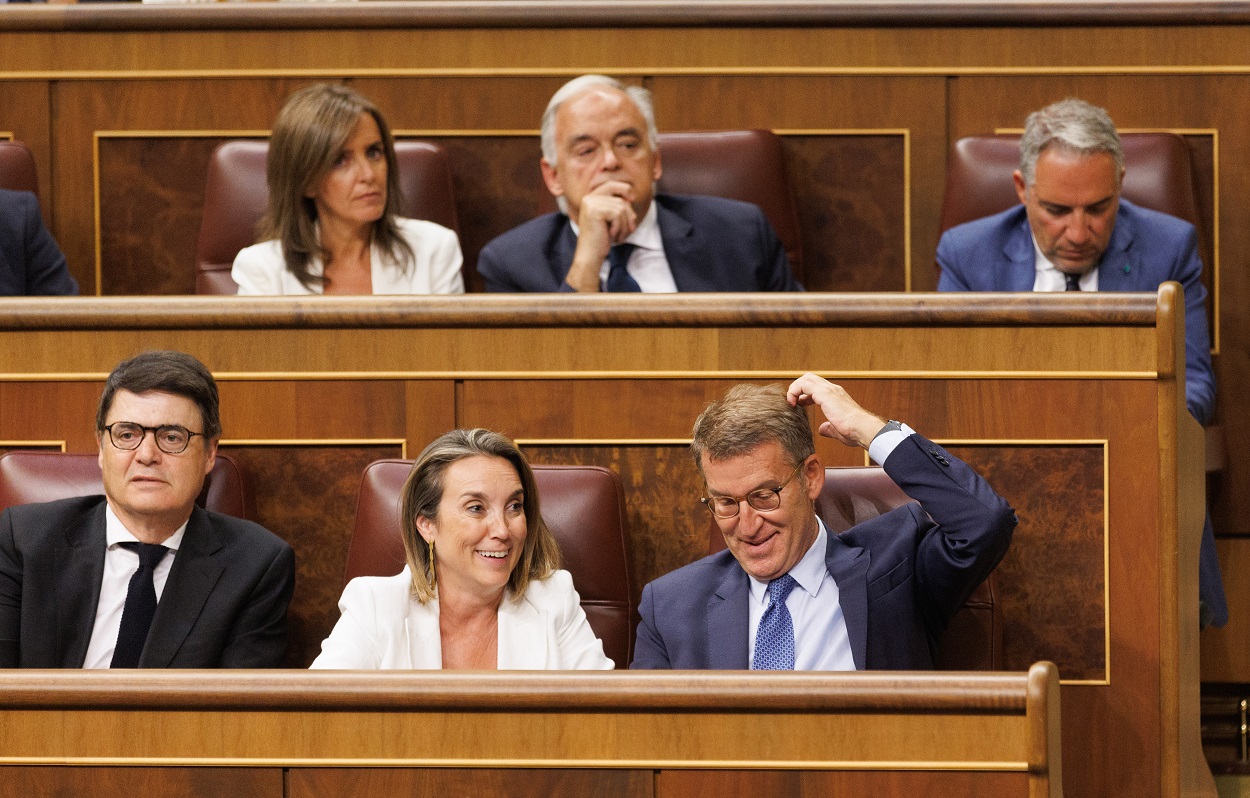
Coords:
pixel 482 588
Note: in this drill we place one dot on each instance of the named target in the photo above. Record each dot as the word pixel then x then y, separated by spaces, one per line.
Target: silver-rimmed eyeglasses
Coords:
pixel 763 500
pixel 170 438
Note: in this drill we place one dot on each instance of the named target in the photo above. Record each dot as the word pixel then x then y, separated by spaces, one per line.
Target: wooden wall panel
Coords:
pixel 809 784
pixel 826 104
pixel 440 782
pixel 27 114
pixel 306 495
pixel 150 782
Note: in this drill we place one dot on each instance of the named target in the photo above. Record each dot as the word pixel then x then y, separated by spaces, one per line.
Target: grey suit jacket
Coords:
pixel 223 606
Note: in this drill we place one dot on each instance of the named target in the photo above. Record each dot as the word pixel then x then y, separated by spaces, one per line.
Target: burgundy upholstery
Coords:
pixel 582 505
pixel 746 165
pixel 974 638
pixel 27 477
pixel 17 168
pixel 1158 175
pixel 235 195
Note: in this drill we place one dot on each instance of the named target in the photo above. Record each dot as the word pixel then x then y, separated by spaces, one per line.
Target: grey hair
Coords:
pixel 1072 125
pixel 576 86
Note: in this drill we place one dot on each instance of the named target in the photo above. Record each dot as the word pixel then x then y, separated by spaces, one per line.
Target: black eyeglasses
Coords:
pixel 764 499
pixel 170 438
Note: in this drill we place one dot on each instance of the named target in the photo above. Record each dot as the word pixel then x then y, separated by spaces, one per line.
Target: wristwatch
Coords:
pixel 889 425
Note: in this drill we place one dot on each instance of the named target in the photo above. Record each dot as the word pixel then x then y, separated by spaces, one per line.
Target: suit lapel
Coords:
pixel 191 579
pixel 79 572
pixel 1116 272
pixel 727 620
pixel 1021 257
pixel 687 258
pixel 563 245
pixel 849 568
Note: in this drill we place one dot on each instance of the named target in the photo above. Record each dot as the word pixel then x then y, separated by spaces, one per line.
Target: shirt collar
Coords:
pixel 809 571
pixel 116 532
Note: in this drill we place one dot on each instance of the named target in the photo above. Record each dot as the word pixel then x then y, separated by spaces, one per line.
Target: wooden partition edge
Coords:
pixel 1046 757
pixel 878 691
pixel 621 13
pixel 600 310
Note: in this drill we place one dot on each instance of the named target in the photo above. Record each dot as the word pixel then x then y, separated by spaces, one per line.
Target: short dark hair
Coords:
pixel 171 372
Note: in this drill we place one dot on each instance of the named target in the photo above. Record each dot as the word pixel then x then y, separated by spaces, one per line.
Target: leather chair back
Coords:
pixel 1158 175
pixel 583 506
pixel 973 640
pixel 27 477
pixel 17 168
pixel 746 165
pixel 236 194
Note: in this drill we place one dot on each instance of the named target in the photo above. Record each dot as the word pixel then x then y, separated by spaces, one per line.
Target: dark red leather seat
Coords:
pixel 27 477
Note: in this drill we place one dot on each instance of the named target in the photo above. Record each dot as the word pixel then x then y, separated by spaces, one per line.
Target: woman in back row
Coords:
pixel 332 225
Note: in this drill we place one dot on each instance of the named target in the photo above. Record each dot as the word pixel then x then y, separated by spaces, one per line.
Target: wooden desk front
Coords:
pixel 626 735
pixel 1073 407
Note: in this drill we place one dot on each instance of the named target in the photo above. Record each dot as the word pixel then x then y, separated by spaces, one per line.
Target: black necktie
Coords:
pixel 140 606
pixel 1073 282
pixel 619 278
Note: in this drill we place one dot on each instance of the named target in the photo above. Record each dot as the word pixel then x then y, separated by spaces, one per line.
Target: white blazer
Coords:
pixel 261 271
pixel 383 627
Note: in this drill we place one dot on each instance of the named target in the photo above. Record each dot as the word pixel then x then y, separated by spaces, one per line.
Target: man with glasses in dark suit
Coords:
pixel 787 594
pixel 142 576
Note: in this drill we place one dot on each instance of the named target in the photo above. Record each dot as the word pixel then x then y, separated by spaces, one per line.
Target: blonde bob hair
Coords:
pixel 305 144
pixel 424 490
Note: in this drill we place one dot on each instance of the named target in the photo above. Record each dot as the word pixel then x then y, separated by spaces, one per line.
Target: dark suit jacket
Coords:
pixel 224 603
pixel 31 263
pixel 712 244
pixel 1147 248
pixel 900 576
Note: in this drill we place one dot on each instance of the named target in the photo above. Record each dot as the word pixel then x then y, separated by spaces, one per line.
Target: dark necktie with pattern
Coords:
pixel 774 639
pixel 1073 282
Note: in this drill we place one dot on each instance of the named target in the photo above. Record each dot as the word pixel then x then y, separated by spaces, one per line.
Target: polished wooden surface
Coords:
pixel 312 386
pixel 974 725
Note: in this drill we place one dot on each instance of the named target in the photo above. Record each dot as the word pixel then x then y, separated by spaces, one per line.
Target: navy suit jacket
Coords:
pixel 31 264
pixel 711 243
pixel 900 576
pixel 224 604
pixel 1147 248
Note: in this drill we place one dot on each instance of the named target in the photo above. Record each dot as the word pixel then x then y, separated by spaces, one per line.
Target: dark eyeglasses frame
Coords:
pixel 156 436
pixel 738 500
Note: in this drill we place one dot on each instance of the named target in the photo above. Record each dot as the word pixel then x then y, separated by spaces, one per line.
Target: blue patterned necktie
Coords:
pixel 140 606
pixel 774 639
pixel 1072 282
pixel 619 278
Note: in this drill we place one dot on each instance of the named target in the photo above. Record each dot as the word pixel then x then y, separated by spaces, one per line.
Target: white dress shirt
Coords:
pixel 821 641
pixel 1048 278
pixel 120 564
pixel 647 263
